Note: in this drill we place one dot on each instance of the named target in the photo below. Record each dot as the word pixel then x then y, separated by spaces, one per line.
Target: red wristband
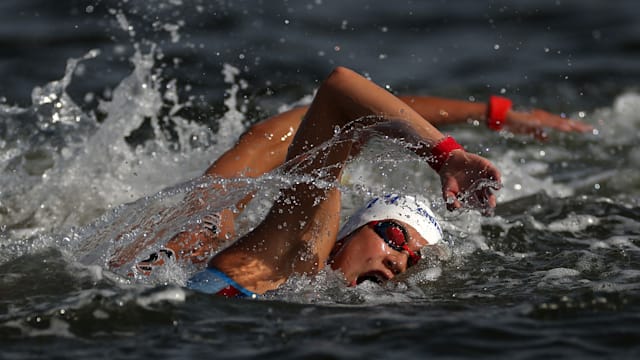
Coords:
pixel 441 152
pixel 497 112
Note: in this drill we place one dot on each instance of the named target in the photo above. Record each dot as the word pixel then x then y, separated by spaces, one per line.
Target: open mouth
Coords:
pixel 375 276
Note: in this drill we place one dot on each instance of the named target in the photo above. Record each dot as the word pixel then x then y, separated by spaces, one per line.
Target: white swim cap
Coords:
pixel 405 208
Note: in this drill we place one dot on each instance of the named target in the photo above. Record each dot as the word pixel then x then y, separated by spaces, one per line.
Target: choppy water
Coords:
pixel 111 109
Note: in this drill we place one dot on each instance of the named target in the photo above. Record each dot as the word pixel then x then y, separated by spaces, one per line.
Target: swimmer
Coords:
pixel 301 234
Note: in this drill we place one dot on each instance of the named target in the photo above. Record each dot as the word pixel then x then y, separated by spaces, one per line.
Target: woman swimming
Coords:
pixel 300 233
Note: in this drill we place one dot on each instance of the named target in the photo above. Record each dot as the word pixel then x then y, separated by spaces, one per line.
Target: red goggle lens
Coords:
pixel 395 235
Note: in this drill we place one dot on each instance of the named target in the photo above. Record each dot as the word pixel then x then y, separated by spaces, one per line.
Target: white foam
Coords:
pixel 170 294
pixel 574 223
pixel 558 273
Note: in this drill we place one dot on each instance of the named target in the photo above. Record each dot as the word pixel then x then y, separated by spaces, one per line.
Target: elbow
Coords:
pixel 340 71
pixel 335 84
pixel 339 75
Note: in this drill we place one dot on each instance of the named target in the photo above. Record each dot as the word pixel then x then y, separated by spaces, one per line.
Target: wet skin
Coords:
pixel 363 255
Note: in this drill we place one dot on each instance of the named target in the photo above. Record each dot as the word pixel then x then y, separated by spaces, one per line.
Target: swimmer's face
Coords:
pixel 364 255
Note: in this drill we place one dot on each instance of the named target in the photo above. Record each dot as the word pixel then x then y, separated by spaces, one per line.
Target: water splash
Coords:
pixel 53 105
pixel 64 168
pixel 70 173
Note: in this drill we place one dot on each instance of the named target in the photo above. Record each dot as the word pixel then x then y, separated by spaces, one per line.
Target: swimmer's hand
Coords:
pixel 469 180
pixel 536 123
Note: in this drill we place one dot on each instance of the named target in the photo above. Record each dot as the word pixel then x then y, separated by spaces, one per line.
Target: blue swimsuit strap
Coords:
pixel 231 282
pixel 214 281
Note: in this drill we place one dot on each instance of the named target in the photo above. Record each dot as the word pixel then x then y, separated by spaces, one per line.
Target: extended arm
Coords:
pixel 264 146
pixel 441 111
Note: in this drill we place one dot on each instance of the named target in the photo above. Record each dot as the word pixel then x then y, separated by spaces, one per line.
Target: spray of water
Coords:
pixel 72 180
pixel 64 168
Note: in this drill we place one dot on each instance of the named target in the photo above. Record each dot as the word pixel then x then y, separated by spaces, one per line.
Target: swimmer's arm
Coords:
pixel 264 146
pixel 260 149
pixel 441 111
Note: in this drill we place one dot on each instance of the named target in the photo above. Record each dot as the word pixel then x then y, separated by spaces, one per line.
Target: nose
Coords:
pixel 396 263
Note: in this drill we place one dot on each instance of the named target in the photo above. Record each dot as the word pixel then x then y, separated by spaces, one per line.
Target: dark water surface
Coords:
pixel 90 151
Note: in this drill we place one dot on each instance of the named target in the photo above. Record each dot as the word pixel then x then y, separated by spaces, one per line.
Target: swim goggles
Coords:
pixel 396 236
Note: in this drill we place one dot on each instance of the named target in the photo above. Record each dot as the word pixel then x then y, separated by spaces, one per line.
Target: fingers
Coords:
pixel 561 123
pixel 488 200
pixel 451 200
pixel 492 173
pixel 483 199
pixel 566 125
pixel 450 193
pixel 479 194
pixel 536 122
pixel 469 180
pixel 579 126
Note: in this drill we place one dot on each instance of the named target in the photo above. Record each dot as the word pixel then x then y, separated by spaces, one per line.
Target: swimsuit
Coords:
pixel 214 281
